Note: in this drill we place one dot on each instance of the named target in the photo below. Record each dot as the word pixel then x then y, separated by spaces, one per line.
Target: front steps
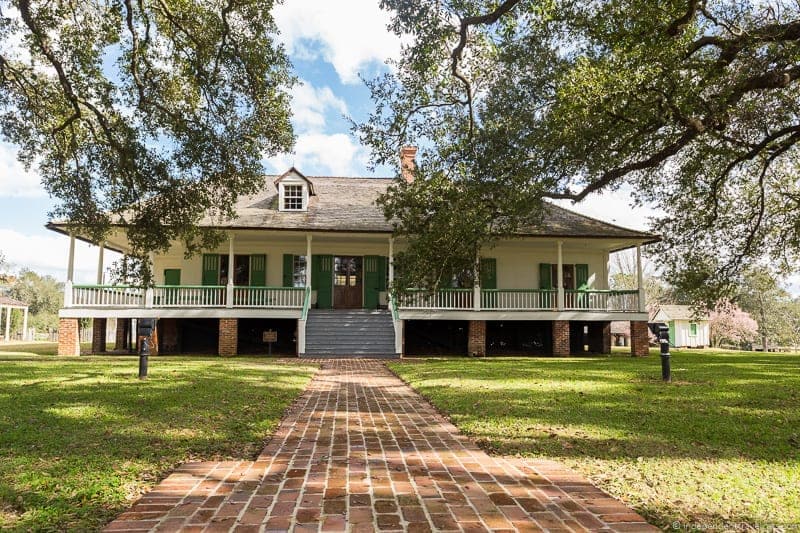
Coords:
pixel 365 333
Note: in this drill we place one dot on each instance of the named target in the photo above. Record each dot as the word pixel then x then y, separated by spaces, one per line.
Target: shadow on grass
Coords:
pixel 79 439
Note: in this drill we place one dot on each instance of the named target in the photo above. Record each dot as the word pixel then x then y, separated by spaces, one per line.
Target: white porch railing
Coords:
pixel 186 296
pixel 189 296
pixel 446 299
pixel 520 300
pixel 107 296
pixel 594 300
pixel 271 297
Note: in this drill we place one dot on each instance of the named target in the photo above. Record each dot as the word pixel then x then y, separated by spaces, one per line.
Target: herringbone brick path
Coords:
pixel 360 451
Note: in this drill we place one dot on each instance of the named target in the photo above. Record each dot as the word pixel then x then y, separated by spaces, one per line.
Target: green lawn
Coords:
pixel 80 438
pixel 720 444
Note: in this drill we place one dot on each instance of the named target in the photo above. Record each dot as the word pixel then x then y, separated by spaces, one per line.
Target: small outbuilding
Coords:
pixel 687 328
pixel 8 304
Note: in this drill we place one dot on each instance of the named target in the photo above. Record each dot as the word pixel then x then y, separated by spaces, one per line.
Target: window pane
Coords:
pixel 299 271
pixel 293 197
pixel 241 275
pixel 223 269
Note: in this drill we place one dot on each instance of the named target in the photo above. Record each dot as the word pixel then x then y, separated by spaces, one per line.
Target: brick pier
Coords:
pixel 360 451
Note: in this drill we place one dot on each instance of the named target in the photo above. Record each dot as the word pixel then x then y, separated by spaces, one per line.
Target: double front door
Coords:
pixel 348 282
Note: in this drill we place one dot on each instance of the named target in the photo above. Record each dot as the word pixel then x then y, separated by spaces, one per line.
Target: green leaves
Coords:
pixel 150 114
pixel 693 105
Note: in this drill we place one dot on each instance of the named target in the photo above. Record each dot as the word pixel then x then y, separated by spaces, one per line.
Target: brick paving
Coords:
pixel 360 451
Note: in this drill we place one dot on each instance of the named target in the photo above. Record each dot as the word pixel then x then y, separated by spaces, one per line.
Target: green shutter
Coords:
pixel 210 269
pixel 258 270
pixel 545 276
pixel 372 284
pixel 288 270
pixel 672 333
pixel 383 273
pixel 322 279
pixel 172 276
pixel 488 273
pixel 582 277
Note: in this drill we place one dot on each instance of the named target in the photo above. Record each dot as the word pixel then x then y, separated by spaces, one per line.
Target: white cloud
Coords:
pixel 614 207
pixel 14 179
pixel 49 253
pixel 309 105
pixel 319 153
pixel 350 35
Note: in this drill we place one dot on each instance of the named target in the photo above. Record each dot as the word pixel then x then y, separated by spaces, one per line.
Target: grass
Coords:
pixel 81 438
pixel 720 445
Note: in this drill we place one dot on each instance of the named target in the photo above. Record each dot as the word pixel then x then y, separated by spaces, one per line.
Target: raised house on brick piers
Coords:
pixel 307 267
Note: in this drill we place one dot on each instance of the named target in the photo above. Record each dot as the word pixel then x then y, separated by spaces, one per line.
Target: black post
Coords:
pixel 663 338
pixel 143 353
pixel 144 328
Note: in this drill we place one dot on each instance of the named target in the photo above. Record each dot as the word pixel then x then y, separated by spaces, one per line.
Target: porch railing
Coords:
pixel 271 297
pixel 516 299
pixel 186 296
pixel 107 296
pixel 189 296
pixel 520 300
pixel 597 300
pixel 445 299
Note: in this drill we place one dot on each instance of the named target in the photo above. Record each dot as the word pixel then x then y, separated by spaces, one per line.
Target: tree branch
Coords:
pixel 456 56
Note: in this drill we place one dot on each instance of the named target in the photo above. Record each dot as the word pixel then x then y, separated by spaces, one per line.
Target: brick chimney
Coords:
pixel 407 164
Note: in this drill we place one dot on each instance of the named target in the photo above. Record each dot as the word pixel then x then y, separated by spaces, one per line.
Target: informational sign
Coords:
pixel 270 336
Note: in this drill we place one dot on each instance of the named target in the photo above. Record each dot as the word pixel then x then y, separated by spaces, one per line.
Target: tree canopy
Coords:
pixel 691 104
pixel 144 112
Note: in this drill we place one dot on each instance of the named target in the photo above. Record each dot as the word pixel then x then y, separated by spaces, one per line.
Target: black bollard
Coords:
pixel 143 353
pixel 145 328
pixel 663 338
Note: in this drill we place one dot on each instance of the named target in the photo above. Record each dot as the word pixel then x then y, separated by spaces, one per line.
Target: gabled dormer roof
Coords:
pixel 293 172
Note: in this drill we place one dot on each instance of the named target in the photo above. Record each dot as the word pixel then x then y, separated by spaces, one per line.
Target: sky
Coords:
pixel 331 49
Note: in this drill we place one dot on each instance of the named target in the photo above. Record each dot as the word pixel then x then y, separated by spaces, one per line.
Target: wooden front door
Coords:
pixel 347 282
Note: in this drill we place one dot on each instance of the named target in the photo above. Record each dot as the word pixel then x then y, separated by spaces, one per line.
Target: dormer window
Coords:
pixel 293 197
pixel 294 191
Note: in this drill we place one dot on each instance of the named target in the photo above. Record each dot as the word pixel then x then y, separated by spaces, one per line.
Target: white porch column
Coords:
pixel 476 287
pixel 559 275
pixel 71 260
pixel 391 262
pixel 100 263
pixel 70 271
pixel 8 323
pixel 640 278
pixel 148 292
pixel 308 260
pixel 229 288
pixel 25 324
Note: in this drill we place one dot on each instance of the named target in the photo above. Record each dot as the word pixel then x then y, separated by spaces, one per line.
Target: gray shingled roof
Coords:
pixel 348 204
pixel 7 300
pixel 680 312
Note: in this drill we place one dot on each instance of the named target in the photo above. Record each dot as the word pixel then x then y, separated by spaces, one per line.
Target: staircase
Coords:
pixel 349 333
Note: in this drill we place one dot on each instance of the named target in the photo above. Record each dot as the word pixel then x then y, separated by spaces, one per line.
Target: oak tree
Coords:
pixel 691 104
pixel 148 113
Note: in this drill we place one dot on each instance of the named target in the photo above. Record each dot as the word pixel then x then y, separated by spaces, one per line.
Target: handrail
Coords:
pixel 306 304
pixel 393 306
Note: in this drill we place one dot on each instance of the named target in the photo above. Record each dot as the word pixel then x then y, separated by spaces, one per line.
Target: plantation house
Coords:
pixel 307 265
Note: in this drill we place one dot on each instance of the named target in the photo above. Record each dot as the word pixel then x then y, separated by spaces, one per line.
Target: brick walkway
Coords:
pixel 360 451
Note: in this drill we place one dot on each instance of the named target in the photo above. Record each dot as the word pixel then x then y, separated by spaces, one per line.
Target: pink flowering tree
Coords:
pixel 731 326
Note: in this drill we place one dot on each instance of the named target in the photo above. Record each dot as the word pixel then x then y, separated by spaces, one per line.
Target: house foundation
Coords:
pixel 99 335
pixel 68 337
pixel 228 336
pixel 640 339
pixel 476 339
pixel 561 339
pixel 606 337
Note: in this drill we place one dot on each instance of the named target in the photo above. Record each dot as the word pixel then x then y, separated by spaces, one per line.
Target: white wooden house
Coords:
pixel 310 258
pixel 687 328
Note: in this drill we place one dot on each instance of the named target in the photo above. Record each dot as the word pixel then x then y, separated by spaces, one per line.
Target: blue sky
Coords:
pixel 329 47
